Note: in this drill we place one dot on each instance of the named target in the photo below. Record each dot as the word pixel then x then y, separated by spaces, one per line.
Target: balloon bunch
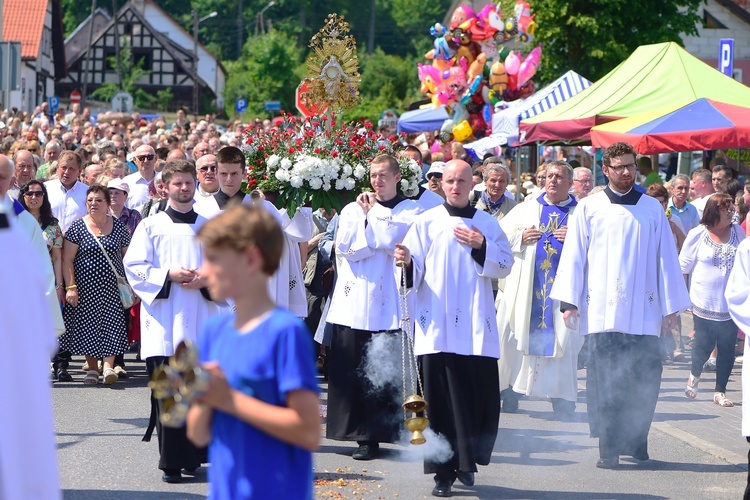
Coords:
pixel 472 69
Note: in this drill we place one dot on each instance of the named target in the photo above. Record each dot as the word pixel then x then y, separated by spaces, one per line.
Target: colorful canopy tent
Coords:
pixel 702 124
pixel 653 77
pixel 505 122
pixel 562 89
pixel 422 120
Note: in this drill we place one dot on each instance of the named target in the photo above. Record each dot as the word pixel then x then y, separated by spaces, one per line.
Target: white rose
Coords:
pixel 282 175
pixel 296 181
pixel 339 185
pixel 326 186
pixel 349 183
pixel 404 185
pixel 286 164
pixel 315 183
pixel 272 161
pixel 346 171
pixel 360 171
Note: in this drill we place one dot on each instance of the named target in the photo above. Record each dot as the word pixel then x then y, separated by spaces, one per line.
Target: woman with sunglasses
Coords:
pixel 33 197
pixel 708 255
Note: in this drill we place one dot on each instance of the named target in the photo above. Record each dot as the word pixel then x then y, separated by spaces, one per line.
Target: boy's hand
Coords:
pixel 219 392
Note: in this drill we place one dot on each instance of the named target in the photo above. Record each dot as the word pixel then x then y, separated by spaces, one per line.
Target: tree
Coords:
pixel 267 71
pixel 132 71
pixel 591 37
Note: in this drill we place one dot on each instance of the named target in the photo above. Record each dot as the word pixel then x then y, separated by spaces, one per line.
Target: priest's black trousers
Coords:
pixel 463 398
pixel 357 412
pixel 176 452
pixel 622 386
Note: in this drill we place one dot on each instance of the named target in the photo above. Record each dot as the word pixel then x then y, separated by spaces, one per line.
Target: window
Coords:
pixel 144 58
pixel 710 22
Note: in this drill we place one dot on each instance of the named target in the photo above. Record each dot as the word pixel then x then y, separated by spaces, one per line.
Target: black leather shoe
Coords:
pixel 442 487
pixel 64 376
pixel 367 451
pixel 466 478
pixel 608 463
pixel 171 476
pixel 641 457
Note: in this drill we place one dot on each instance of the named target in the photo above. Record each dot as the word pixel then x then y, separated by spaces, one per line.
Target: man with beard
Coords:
pixel 162 265
pixel 619 277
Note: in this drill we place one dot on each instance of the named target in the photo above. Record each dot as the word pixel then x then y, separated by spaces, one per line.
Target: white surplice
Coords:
pixel 429 200
pixel 366 293
pixel 159 244
pixel 737 294
pixel 454 311
pixel 28 454
pixel 619 267
pixel 286 286
pixel 547 377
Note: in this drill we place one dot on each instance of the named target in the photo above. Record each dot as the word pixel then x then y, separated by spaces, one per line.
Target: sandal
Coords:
pixel 110 377
pixel 721 400
pixel 692 387
pixel 92 377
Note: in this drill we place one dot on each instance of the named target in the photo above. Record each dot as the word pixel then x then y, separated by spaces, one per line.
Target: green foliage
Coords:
pixel 413 20
pixel 164 99
pixel 131 71
pixel 266 72
pixel 593 36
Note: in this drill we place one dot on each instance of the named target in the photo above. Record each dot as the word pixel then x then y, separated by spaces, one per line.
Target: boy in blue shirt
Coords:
pixel 259 415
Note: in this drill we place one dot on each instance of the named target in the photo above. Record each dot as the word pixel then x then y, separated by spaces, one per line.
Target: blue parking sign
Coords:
pixel 54 103
pixel 241 105
pixel 726 56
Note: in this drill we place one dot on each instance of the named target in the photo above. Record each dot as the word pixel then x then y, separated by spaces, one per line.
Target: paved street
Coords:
pixel 696 449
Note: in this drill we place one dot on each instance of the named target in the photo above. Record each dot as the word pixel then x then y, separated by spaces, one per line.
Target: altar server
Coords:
pixel 539 354
pixel 162 265
pixel 453 252
pixel 365 304
pixel 619 277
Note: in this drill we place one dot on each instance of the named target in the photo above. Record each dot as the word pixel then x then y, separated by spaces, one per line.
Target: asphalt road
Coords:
pixel 696 449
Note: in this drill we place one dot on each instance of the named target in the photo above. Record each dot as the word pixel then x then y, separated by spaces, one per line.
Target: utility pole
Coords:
pixel 371 30
pixel 195 62
pixel 240 29
pixel 87 59
pixel 117 45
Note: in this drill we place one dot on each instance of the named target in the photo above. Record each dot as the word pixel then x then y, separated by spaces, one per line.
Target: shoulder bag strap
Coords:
pixel 106 256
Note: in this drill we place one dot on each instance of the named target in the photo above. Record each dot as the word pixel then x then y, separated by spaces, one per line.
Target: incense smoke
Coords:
pixel 436 447
pixel 382 361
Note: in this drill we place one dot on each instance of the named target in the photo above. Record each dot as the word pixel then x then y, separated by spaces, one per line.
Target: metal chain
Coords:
pixel 407 341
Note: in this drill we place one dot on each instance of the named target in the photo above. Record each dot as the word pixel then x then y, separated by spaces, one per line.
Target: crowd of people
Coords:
pixel 514 290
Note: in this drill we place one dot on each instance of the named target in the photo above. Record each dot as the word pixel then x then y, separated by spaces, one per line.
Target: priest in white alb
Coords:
pixel 365 304
pixel 619 281
pixel 286 286
pixel 539 353
pixel 737 294
pixel 452 253
pixel 162 265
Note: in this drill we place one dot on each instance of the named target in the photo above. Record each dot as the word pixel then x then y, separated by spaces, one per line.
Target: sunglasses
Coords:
pixel 212 168
pixel 34 194
pixel 146 157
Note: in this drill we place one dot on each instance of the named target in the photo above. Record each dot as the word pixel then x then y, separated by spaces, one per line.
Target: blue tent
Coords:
pixel 422 120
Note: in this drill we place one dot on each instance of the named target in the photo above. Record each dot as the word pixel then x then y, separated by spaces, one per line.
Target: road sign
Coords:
pixel 54 103
pixel 726 56
pixel 273 105
pixel 307 109
pixel 75 97
pixel 241 105
pixel 122 102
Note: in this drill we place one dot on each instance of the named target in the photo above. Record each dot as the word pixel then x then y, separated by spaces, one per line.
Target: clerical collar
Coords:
pixel 392 202
pixel 205 193
pixel 629 198
pixel 466 212
pixel 222 199
pixel 182 217
pixel 564 203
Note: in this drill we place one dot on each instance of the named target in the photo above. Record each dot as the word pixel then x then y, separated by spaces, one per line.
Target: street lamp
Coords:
pixel 196 23
pixel 259 18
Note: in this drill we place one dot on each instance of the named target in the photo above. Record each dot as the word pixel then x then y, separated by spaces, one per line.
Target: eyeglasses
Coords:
pixel 584 181
pixel 34 194
pixel 729 210
pixel 211 168
pixel 618 169
pixel 145 157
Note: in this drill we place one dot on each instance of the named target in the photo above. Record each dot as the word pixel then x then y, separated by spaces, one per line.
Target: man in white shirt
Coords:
pixel 619 269
pixel 25 171
pixel 703 188
pixel 208 184
pixel 583 182
pixel 145 160
pixel 67 195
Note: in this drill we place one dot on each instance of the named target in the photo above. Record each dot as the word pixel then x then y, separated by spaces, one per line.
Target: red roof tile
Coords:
pixel 23 21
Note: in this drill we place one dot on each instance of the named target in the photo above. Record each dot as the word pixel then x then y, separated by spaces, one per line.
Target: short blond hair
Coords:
pixel 244 226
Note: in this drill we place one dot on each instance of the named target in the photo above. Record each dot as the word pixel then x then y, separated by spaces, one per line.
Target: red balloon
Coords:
pixel 512 82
